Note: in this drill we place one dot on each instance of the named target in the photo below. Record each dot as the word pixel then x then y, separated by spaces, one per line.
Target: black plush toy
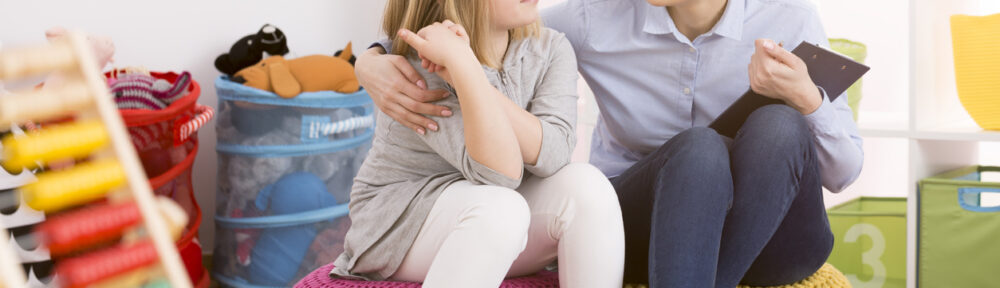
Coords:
pixel 248 50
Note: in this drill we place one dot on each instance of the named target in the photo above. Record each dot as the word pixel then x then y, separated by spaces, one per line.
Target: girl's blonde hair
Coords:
pixel 474 15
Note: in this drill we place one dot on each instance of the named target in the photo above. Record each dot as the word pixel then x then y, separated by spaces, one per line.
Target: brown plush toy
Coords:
pixel 289 78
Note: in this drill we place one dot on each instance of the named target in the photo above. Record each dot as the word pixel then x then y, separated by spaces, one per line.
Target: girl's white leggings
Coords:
pixel 476 235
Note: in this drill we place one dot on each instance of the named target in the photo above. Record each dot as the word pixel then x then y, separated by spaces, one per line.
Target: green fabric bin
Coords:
pixel 870 235
pixel 858 52
pixel 958 238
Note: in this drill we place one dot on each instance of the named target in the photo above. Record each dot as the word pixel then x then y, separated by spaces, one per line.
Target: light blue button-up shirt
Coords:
pixel 651 82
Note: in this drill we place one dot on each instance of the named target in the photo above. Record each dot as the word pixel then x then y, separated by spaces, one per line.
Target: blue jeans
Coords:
pixel 701 211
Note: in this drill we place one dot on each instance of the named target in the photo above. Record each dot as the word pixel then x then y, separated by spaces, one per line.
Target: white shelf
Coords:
pixel 980 136
pixel 975 134
pixel 884 133
pixel 945 133
pixel 911 118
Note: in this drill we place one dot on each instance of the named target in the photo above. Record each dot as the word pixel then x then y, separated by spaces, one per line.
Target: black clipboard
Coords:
pixel 828 69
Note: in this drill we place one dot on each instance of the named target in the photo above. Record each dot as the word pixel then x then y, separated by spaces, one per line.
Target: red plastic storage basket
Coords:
pixel 167 143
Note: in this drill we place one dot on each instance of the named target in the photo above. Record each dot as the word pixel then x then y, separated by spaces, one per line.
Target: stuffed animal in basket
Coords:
pixel 333 169
pixel 103 48
pixel 248 174
pixel 329 242
pixel 280 251
pixel 244 177
pixel 142 91
pixel 289 78
pixel 249 50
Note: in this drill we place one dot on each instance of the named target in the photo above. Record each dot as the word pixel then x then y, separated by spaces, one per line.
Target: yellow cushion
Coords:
pixel 826 277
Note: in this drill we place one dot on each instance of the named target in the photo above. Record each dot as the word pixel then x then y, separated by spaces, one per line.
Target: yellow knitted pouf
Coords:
pixel 826 277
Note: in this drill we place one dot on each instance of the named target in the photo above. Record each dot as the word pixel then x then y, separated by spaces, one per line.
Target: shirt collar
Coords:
pixel 731 24
pixel 658 21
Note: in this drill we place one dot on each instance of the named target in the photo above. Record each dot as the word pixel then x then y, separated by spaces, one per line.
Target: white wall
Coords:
pixel 188 35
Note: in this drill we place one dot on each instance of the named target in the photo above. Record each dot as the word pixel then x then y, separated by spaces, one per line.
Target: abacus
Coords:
pixel 10 268
pixel 108 181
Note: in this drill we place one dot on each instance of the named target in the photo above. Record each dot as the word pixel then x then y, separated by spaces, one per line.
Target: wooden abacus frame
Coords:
pixel 11 275
pixel 85 95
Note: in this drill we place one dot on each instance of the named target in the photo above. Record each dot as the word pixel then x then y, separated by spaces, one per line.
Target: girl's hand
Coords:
pixel 439 69
pixel 440 45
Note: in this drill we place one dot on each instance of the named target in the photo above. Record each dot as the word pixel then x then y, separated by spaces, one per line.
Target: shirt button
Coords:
pixel 687 91
pixel 690 48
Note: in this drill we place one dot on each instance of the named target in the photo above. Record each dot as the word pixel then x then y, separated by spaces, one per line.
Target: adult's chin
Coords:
pixel 664 3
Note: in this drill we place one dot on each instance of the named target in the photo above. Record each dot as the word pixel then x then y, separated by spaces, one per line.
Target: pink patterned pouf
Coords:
pixel 320 278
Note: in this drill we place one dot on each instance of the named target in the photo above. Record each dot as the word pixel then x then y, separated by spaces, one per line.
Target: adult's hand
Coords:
pixel 779 74
pixel 398 90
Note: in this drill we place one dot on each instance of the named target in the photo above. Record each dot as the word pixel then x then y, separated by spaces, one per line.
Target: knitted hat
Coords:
pixel 168 93
pixel 134 91
pixel 139 91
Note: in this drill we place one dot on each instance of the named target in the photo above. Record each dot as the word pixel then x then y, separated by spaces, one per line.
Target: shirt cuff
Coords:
pixel 485 175
pixel 823 120
pixel 550 158
pixel 385 43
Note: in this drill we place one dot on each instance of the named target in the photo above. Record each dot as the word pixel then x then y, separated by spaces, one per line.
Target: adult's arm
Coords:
pixel 488 137
pixel 398 90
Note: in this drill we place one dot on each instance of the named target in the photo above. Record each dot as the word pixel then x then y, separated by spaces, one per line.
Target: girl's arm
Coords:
pixel 546 131
pixel 489 137
pixel 527 129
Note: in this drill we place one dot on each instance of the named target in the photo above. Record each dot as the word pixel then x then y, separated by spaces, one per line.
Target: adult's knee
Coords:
pixel 695 171
pixel 699 149
pixel 777 128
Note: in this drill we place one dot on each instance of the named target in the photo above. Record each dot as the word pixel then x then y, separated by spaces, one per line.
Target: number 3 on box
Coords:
pixel 872 257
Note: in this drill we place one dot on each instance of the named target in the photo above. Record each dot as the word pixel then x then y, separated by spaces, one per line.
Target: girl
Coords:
pixel 452 207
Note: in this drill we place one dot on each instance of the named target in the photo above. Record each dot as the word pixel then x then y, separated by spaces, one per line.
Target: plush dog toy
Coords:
pixel 249 50
pixel 289 78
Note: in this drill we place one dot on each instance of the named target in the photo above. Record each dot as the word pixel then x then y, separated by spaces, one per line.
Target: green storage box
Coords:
pixel 858 52
pixel 870 245
pixel 958 238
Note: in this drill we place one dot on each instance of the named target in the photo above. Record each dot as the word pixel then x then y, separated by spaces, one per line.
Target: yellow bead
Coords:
pixel 69 141
pixel 81 184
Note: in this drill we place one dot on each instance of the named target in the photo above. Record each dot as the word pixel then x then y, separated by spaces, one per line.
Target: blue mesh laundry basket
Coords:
pixel 285 172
